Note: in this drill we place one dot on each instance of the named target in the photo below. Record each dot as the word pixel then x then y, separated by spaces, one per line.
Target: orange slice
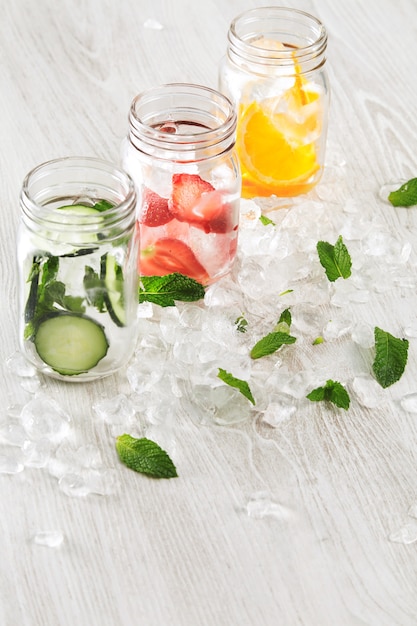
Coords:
pixel 270 161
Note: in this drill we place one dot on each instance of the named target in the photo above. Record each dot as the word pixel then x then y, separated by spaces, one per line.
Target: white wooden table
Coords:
pixel 200 549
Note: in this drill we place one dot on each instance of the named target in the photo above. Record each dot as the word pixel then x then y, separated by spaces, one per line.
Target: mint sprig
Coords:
pixel 390 357
pixel 332 391
pixel 273 341
pixel 335 259
pixel 239 384
pixel 145 456
pixel 47 294
pixel 406 195
pixel 166 290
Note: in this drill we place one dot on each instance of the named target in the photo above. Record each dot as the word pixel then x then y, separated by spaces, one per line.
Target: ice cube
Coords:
pixel 11 461
pixel 280 409
pixel 48 538
pixel 409 402
pixel 261 505
pixel 152 24
pixel 406 534
pixel 116 410
pixel 368 392
pixel 20 366
pixel 37 453
pixel 42 417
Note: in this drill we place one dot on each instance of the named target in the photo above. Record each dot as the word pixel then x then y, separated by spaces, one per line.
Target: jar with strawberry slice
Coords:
pixel 180 153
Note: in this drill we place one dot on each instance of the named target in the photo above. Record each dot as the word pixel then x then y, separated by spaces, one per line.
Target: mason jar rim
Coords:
pixel 308 51
pixel 184 141
pixel 33 208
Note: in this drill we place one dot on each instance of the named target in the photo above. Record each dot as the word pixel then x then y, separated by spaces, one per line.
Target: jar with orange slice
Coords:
pixel 274 73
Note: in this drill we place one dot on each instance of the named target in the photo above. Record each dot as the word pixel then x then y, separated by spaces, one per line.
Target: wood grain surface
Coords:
pixel 186 552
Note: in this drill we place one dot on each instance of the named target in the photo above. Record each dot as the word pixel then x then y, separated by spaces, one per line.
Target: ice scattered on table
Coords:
pixel 280 409
pixel 48 538
pixel 367 391
pixel 152 24
pixel 116 410
pixel 405 534
pixel 11 460
pixel 386 189
pixel 412 511
pixel 363 335
pixel 42 417
pixel 174 372
pixel 261 505
pixel 409 402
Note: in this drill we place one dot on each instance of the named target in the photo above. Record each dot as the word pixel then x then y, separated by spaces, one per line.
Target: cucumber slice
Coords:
pixel 79 209
pixel 69 343
pixel 112 275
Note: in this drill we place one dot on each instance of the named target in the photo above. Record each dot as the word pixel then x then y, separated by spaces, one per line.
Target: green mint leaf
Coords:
pixel 74 304
pixel 266 220
pixel 406 195
pixel 145 456
pixel 270 344
pixel 284 293
pixel 242 385
pixel 54 292
pixel 103 205
pixel 332 391
pixel 284 321
pixel 390 358
pixel 335 259
pixel 166 290
pixel 317 341
pixel 241 324
pixel 93 286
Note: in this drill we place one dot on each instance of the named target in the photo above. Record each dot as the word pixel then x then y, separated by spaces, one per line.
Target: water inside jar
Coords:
pixel 180 127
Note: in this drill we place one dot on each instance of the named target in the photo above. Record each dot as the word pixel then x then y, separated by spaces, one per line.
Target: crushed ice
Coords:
pixel 174 371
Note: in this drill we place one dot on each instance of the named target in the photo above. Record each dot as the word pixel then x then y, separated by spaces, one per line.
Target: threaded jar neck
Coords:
pixel 254 37
pixel 182 122
pixel 77 180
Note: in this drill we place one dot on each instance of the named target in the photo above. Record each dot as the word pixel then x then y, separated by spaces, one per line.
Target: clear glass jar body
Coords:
pixel 77 255
pixel 274 72
pixel 180 153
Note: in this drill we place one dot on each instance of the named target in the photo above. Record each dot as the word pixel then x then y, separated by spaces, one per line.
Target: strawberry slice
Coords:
pixel 197 202
pixel 155 211
pixel 168 255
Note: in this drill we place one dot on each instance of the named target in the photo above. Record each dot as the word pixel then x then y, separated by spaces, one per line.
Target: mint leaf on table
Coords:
pixel 270 344
pixel 241 323
pixel 390 358
pixel 242 385
pixel 335 259
pixel 145 456
pixel 285 318
pixel 318 340
pixel 266 220
pixel 406 195
pixel 332 391
pixel 166 290
pixel 273 341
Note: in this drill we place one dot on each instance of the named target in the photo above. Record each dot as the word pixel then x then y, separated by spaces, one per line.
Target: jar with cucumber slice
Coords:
pixel 77 254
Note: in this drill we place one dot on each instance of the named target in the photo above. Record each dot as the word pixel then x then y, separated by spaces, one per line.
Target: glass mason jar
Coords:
pixel 274 72
pixel 180 153
pixel 77 256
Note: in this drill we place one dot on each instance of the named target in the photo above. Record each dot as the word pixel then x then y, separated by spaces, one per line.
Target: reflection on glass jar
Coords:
pixel 77 254
pixel 180 153
pixel 274 72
